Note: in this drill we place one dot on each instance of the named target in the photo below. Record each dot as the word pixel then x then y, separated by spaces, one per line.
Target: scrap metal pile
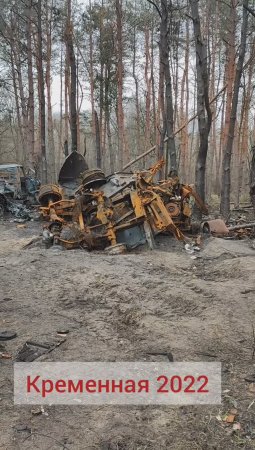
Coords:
pixel 121 211
pixel 17 192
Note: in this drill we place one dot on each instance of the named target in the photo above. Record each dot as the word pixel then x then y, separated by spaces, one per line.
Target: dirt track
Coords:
pixel 120 308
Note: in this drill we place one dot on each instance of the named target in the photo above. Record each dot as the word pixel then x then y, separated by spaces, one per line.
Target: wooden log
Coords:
pixel 240 226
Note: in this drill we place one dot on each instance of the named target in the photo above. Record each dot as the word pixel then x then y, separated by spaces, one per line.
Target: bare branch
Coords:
pixel 147 152
pixel 156 6
pixel 248 9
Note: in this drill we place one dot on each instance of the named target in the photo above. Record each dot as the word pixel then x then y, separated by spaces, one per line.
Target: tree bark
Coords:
pixel 137 103
pixel 252 177
pixel 160 136
pixel 184 138
pixel 78 104
pixel 230 66
pixel 243 149
pixel 91 81
pixel 67 90
pixel 169 113
pixel 51 144
pixel 60 143
pixel 123 155
pixel 98 142
pixel 30 103
pixel 147 73
pixel 203 103
pixel 101 81
pixel 16 55
pixel 41 94
pixel 73 71
pixel 227 154
pixel 153 90
pixel 17 104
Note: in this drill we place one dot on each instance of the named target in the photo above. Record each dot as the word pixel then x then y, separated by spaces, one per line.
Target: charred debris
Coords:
pixel 88 210
pixel 122 211
pixel 18 192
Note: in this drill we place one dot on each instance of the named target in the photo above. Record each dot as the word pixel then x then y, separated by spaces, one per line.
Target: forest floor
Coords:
pixel 121 308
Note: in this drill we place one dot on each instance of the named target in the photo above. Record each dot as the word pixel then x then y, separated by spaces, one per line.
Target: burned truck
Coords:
pixel 16 187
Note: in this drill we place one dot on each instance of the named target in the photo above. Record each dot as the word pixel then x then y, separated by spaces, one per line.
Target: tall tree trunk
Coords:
pixel 203 106
pixel 160 136
pixel 169 114
pixel 219 156
pixel 41 94
pixel 73 90
pixel 147 77
pixel 101 82
pixel 137 103
pixel 16 53
pixel 252 177
pixel 60 143
pixel 78 104
pixel 153 90
pixel 107 118
pixel 186 134
pixel 226 166
pixel 51 144
pixel 30 103
pixel 67 91
pixel 123 155
pixel 174 51
pixel 230 66
pixel 212 26
pixel 238 155
pixel 108 114
pixel 245 131
pixel 184 105
pixel 98 142
pixel 91 81
pixel 109 136
pixel 104 126
pixel 17 104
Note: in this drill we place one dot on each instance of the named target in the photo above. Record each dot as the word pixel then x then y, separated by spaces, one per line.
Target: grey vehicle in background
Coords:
pixel 15 186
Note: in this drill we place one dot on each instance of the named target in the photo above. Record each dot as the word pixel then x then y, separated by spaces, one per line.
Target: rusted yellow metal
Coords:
pixel 173 209
pixel 159 206
pixel 159 217
pixel 58 211
pixel 50 192
pixel 137 204
pixel 187 191
pixel 70 244
pixel 186 210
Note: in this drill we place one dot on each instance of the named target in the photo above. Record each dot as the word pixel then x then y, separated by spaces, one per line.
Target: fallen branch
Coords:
pixel 240 226
pixel 175 133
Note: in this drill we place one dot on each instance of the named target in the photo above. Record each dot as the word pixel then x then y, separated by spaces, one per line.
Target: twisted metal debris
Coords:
pixel 121 211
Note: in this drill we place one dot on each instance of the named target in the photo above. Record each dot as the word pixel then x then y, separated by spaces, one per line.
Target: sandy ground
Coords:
pixel 121 308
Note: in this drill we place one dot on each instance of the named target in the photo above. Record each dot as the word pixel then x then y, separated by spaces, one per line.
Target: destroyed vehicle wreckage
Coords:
pixel 121 210
pixel 17 190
